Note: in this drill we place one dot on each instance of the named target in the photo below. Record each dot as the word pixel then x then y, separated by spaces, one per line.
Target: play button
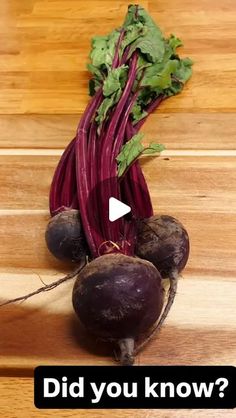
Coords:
pixel 117 209
pixel 109 210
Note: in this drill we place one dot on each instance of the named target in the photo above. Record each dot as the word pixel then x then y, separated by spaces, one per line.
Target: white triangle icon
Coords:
pixel 117 209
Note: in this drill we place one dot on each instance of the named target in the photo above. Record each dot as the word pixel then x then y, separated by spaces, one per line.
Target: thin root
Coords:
pixel 171 297
pixel 47 287
pixel 40 278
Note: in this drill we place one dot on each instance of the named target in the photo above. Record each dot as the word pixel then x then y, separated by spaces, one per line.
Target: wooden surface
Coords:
pixel 43 91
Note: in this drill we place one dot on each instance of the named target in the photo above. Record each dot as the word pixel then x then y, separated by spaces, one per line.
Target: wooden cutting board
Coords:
pixel 43 91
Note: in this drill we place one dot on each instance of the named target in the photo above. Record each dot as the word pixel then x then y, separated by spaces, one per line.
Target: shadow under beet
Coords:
pixel 32 336
pixel 35 333
pixel 87 341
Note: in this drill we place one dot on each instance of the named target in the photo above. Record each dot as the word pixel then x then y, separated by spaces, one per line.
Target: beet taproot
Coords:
pixel 118 298
pixel 65 238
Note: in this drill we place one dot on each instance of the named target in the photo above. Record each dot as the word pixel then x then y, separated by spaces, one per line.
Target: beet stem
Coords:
pixel 83 169
pixel 136 180
pixel 173 277
pixel 150 109
pixel 126 351
pixel 111 187
pixel 116 60
pixel 55 201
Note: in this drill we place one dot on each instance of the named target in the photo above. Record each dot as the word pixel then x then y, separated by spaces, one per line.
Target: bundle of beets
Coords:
pixel 118 293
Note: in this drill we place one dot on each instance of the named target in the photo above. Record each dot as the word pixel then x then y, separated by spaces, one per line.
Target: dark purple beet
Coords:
pixel 163 241
pixel 65 238
pixel 118 297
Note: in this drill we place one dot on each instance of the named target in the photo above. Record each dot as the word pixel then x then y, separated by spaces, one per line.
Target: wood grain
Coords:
pixel 66 101
pixel 43 91
pixel 204 201
pixel 25 182
pixel 25 343
pixel 212 236
pixel 53 63
pixel 176 130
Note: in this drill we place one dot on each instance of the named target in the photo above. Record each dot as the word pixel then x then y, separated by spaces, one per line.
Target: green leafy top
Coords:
pixel 132 150
pixel 101 55
pixel 151 43
pixel 112 90
pixel 103 50
pixel 115 80
pixel 160 71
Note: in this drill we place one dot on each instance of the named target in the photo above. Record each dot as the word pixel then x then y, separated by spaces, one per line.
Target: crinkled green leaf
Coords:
pixel 99 50
pixel 184 70
pixel 137 14
pixel 103 109
pixel 174 42
pixel 153 149
pixel 162 78
pixel 171 44
pixel 132 150
pixel 106 105
pixel 112 90
pixel 103 49
pixel 145 96
pixel 129 152
pixel 132 33
pixel 143 63
pixel 153 50
pixel 111 47
pixel 130 18
pixel 137 113
pixel 152 71
pixel 180 77
pixel 96 82
pixel 95 71
pixel 151 44
pixel 115 80
pixel 121 168
pixel 124 77
pixel 160 71
pixel 94 85
pixel 176 88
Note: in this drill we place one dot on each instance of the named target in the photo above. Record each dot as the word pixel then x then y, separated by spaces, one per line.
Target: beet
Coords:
pixel 118 298
pixel 163 241
pixel 65 238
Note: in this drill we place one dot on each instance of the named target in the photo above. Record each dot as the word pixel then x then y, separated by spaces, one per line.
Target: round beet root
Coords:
pixel 65 238
pixel 163 241
pixel 118 297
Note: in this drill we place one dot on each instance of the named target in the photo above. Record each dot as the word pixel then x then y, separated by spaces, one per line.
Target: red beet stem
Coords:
pixel 86 176
pixel 68 191
pixel 108 189
pixel 116 59
pixel 55 201
pixel 82 170
pixel 150 108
